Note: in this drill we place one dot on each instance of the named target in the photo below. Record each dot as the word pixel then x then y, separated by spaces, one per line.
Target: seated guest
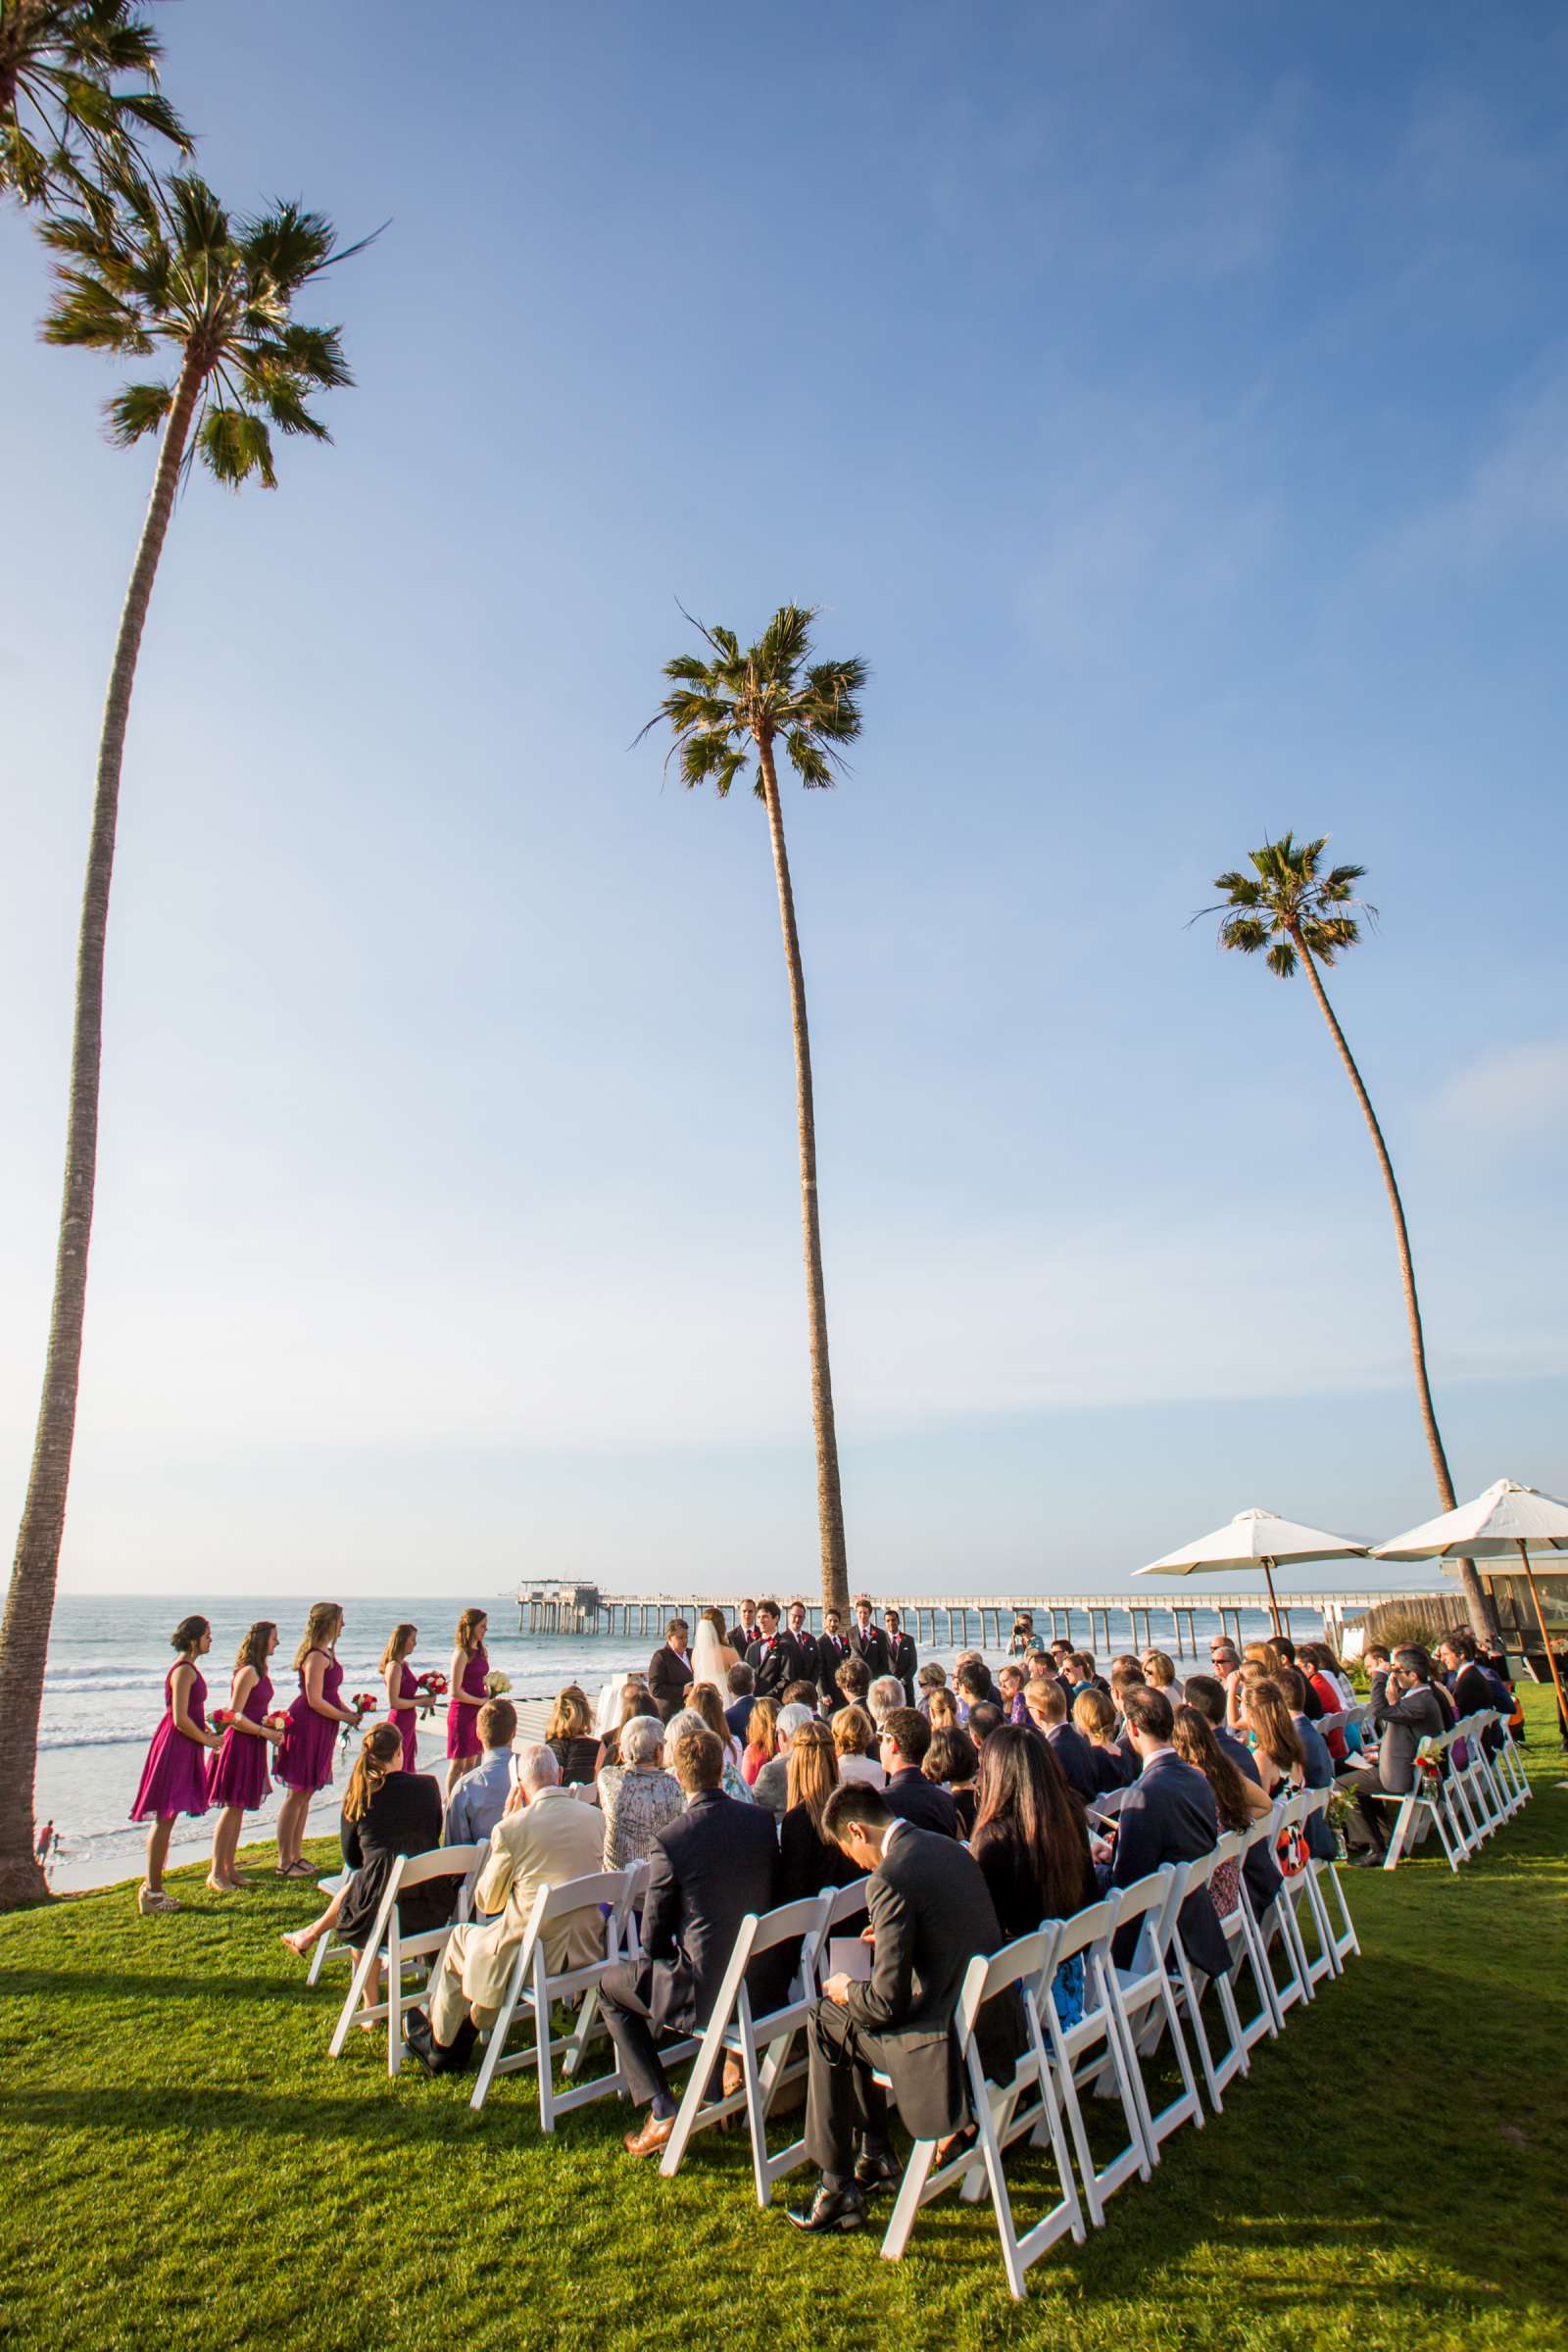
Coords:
pixel 940 1711
pixel 1469 1685
pixel 1237 1801
pixel 971 1684
pixel 807 1860
pixel 1040 1666
pixel 762 1737
pixel 930 1914
pixel 1012 1679
pixel 1284 1649
pixel 931 1678
pixel 1208 1698
pixel 953 1761
pixel 1160 1673
pixel 906 1737
pixel 799 1694
pixel 570 1736
pixel 1032 1844
pixel 1327 1675
pixel 1047 1712
pixel 855 1683
pixel 1403 1712
pixel 1168 1815
pixel 1317 1764
pixel 1095 1715
pixel 634 1700
pixel 885 1694
pixel 669 1669
pixel 1257 1659
pixel 742 1697
pixel 732 1779
pixel 709 1870
pixel 855 1741
pixel 544 1839
pixel 387 1812
pixel 1085 1671
pixel 771 1787
pixel 637 1796
pixel 983 1721
pixel 704 1700
pixel 480 1798
pixel 1125 1676
pixel 1276 1744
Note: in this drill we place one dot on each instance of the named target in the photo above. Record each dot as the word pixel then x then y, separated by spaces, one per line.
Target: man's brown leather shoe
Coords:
pixel 653 2136
pixel 734 2076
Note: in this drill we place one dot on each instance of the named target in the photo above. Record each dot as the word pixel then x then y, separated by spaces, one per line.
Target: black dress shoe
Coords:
pixel 833 2209
pixel 875 2169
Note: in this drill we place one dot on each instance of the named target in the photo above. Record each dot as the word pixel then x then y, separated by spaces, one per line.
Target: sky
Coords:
pixel 1171 406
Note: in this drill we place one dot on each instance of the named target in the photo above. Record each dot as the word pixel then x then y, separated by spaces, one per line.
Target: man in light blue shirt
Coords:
pixel 480 1798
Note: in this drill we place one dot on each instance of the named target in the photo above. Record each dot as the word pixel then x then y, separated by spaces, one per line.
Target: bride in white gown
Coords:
pixel 712 1654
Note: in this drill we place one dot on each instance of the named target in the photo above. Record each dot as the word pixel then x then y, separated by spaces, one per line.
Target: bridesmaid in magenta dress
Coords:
pixel 467 1696
pixel 173 1778
pixel 402 1691
pixel 237 1777
pixel 305 1757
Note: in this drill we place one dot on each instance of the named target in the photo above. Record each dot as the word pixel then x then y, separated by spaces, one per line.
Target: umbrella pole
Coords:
pixel 1273 1604
pixel 1545 1640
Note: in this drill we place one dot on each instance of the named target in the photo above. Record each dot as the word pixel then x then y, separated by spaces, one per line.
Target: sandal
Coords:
pixel 152 1902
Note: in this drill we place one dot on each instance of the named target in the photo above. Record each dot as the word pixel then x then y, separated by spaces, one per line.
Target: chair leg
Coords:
pixel 907 2204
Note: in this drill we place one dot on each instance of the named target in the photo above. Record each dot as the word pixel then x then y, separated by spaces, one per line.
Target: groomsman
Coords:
pixel 772 1656
pixel 868 1642
pixel 903 1657
pixel 746 1630
pixel 832 1649
pixel 805 1642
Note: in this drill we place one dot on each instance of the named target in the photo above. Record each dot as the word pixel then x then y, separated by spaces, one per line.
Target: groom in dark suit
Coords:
pixel 772 1657
pixel 1166 1816
pixel 708 1869
pixel 930 1913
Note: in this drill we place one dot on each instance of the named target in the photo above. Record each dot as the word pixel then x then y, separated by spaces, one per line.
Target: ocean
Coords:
pixel 103 1698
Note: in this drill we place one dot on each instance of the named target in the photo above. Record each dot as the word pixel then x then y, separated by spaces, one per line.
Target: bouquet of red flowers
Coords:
pixel 222 1717
pixel 277 1722
pixel 365 1702
pixel 433 1685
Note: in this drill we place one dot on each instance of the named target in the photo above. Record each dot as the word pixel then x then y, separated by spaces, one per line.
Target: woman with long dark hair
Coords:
pixel 809 1861
pixel 173 1778
pixel 1237 1801
pixel 238 1778
pixel 1031 1842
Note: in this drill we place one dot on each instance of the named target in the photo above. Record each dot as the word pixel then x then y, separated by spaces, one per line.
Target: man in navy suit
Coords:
pixel 1167 1816
pixel 1072 1751
pixel 910 1797
pixel 832 1649
pixel 868 1642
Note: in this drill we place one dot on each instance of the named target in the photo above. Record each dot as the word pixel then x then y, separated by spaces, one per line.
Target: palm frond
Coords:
pixel 236 444
pixel 1289 905
pixel 136 411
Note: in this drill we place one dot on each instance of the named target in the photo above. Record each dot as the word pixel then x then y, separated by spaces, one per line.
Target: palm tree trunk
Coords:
pixel 829 1500
pixel 1482 1610
pixel 31 1598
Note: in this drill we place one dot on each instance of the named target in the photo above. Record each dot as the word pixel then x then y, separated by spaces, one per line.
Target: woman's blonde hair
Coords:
pixel 380 1752
pixel 813 1770
pixel 252 1650
pixel 570 1718
pixel 399 1643
pixel 322 1629
pixel 1094 1715
pixel 704 1700
pixel 941 1711
pixel 762 1729
pixel 1268 1713
pixel 852 1728
pixel 468 1625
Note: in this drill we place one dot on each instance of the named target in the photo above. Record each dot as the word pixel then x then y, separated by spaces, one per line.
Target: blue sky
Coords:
pixel 1172 408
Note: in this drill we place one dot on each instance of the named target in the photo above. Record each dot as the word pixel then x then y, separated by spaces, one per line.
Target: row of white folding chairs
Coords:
pixel 1472 1795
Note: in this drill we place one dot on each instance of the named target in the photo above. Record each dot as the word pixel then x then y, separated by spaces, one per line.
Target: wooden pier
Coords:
pixel 969 1621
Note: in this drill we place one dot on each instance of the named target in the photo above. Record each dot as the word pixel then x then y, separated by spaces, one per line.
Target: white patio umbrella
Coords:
pixel 1255 1540
pixel 1507 1518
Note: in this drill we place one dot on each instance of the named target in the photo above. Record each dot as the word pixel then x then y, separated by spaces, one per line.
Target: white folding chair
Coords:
pixel 1103 1808
pixel 1245 1941
pixel 1510 1765
pixel 387 1944
pixel 1300 1889
pixel 1276 1920
pixel 1003 2113
pixel 1192 1984
pixel 1428 1802
pixel 534 1989
pixel 1089 2055
pixel 762 2042
pixel 1145 2003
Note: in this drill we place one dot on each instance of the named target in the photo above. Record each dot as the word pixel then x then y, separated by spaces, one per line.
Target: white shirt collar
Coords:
pixel 896 1827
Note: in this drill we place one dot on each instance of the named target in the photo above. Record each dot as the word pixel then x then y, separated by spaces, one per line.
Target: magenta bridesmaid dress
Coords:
pixel 404 1716
pixel 463 1734
pixel 173 1778
pixel 236 1771
pixel 304 1758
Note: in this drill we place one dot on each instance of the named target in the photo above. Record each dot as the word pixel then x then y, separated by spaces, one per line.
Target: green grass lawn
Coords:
pixel 181 2163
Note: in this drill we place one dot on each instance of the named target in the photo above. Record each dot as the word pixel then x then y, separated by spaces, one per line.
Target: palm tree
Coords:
pixel 1303 915
pixel 143 270
pixel 60 108
pixel 723 709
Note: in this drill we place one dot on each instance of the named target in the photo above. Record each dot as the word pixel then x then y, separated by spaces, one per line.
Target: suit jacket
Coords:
pixel 806 1653
pixel 775 1663
pixel 925 1803
pixel 1401 1725
pixel 931 1912
pixel 831 1651
pixel 1076 1757
pixel 707 1872
pixel 668 1679
pixel 1473 1692
pixel 740 1638
pixel 739 1715
pixel 1168 1816
pixel 554 1838
pixel 872 1646
pixel 902 1659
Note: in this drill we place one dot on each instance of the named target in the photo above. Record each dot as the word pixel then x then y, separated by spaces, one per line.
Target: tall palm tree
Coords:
pixel 1300 915
pixel 60 103
pixel 143 270
pixel 726 708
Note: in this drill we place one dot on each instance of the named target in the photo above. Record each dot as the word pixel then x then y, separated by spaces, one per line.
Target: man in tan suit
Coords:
pixel 546 1836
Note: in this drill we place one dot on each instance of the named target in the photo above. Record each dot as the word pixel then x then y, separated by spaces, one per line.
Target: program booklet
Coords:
pixel 847 1956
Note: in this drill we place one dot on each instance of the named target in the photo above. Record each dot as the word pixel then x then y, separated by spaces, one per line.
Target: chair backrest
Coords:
pixel 1108 1804
pixel 1144 1896
pixel 442 1862
pixel 1087 1927
pixel 1231 1847
pixel 984 1978
pixel 1333 1723
pixel 849 1903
